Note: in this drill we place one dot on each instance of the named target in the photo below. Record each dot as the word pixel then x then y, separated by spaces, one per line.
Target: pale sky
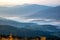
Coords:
pixel 20 2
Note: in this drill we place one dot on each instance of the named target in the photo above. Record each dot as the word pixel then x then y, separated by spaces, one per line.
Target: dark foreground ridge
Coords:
pixel 5 31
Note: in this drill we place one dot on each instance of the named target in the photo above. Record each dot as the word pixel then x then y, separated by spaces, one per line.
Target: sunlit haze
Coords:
pixel 20 2
pixel 41 22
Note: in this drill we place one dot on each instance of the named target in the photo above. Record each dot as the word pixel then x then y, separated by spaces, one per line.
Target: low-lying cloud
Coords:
pixel 40 21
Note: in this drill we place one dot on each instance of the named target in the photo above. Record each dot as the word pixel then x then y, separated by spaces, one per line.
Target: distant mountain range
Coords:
pixel 52 13
pixel 22 10
pixel 26 32
pixel 4 21
pixel 27 29
pixel 31 11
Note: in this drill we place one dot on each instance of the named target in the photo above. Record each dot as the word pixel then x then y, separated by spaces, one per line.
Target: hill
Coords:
pixel 26 32
pixel 27 29
pixel 52 13
pixel 22 10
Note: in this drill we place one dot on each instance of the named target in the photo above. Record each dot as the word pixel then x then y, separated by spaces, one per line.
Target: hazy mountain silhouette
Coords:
pixel 25 10
pixel 27 29
pixel 6 30
pixel 4 21
pixel 52 13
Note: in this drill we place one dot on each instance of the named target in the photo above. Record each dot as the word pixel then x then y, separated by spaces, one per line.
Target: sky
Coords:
pixel 20 2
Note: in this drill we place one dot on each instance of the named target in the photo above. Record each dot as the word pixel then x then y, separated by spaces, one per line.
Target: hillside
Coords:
pixel 6 30
pixel 22 10
pixel 52 13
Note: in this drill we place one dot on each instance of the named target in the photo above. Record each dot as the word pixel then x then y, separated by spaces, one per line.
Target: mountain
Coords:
pixel 6 30
pixel 26 32
pixel 4 21
pixel 50 28
pixel 27 29
pixel 23 10
pixel 52 13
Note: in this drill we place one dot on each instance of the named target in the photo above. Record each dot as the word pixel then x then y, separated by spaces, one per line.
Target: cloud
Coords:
pixel 49 2
pixel 19 19
pixel 38 21
pixel 19 2
pixel 44 21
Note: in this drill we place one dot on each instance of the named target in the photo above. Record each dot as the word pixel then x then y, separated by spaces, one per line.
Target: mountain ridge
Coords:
pixel 27 29
pixel 23 10
pixel 52 13
pixel 6 29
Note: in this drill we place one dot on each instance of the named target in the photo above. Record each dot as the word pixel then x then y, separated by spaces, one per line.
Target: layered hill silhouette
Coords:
pixel 22 10
pixel 52 13
pixel 26 32
pixel 28 29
